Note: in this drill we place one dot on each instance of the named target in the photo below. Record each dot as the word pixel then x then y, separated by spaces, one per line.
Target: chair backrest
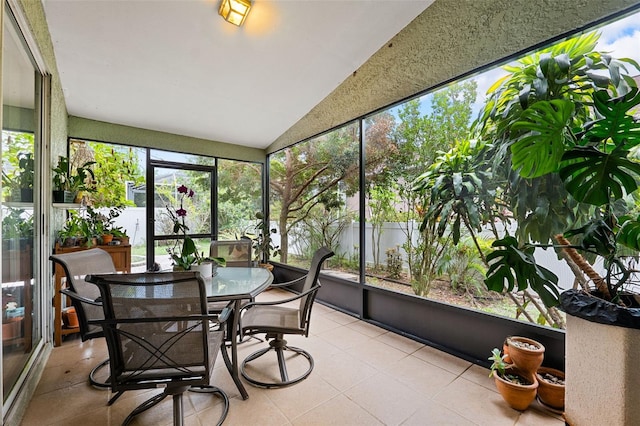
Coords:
pixel 235 252
pixel 310 281
pixel 76 266
pixel 157 329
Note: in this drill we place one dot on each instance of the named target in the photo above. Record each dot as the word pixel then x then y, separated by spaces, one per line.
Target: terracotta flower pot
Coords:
pixel 505 352
pixel 518 396
pixel 70 318
pixel 525 353
pixel 267 266
pixel 11 328
pixel 551 394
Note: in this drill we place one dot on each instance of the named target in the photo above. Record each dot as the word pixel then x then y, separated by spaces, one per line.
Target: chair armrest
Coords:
pixel 224 315
pixel 282 301
pixel 288 283
pixel 76 296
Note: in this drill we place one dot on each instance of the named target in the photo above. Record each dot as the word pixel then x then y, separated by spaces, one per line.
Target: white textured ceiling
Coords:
pixel 178 67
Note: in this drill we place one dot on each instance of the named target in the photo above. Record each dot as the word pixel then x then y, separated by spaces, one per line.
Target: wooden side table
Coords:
pixel 121 255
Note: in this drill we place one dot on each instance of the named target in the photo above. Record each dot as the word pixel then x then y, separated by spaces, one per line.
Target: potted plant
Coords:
pixel 66 184
pixel 551 387
pixel 25 176
pixel 570 132
pixel 91 225
pixel 101 225
pixel 120 234
pixel 70 233
pixel 184 252
pixel 61 182
pixel 526 353
pixel 10 187
pixel 10 234
pixel 17 229
pixel 516 387
pixel 263 246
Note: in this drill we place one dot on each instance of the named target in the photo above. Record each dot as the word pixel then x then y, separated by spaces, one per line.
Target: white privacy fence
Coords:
pixel 134 221
pixel 393 235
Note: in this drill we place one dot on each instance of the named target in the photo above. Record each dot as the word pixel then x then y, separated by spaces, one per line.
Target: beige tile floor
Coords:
pixel 363 375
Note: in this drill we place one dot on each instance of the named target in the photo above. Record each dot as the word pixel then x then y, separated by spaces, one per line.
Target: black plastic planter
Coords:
pixel 63 196
pixel 591 308
pixel 26 195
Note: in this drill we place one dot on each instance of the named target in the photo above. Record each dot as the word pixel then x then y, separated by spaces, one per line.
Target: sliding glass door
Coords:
pixel 21 159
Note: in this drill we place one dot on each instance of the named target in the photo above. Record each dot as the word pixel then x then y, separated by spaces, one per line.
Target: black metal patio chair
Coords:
pixel 276 320
pixel 159 335
pixel 85 297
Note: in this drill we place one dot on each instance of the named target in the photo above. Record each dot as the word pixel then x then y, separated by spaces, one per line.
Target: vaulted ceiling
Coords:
pixel 178 67
pixel 294 69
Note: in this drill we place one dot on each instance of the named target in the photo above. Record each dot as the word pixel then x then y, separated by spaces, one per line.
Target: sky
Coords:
pixel 620 38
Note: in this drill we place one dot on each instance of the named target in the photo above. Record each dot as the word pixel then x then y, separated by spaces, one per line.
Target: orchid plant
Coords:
pixel 187 255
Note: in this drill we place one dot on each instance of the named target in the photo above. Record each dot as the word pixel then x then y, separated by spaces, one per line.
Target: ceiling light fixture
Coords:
pixel 235 11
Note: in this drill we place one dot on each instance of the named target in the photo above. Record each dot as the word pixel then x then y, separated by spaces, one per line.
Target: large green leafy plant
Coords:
pixel 597 169
pixel 556 157
pixel 564 119
pixel 529 123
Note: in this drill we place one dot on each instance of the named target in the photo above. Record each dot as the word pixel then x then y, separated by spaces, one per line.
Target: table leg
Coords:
pixel 232 365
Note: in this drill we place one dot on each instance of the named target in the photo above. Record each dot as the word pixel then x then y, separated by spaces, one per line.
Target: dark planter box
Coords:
pixel 26 195
pixel 462 332
pixel 63 196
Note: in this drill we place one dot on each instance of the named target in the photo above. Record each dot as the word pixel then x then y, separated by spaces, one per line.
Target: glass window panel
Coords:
pixel 179 157
pixel 119 186
pixel 195 202
pixel 433 134
pixel 401 144
pixel 314 200
pixel 383 204
pixel 20 151
pixel 239 198
pixel 182 209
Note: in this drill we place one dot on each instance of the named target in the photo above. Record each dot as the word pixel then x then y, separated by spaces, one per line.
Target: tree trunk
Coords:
pixel 284 237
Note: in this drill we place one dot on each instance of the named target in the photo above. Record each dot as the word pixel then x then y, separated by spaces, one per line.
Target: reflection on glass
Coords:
pixel 20 317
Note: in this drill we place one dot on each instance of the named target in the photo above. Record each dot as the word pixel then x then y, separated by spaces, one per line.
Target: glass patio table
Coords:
pixel 235 284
